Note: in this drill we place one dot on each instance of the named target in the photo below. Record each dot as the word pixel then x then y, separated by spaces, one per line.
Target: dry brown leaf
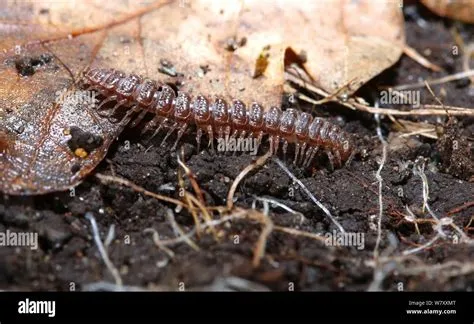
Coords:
pixel 349 42
pixel 48 142
pixel 462 10
pixel 227 48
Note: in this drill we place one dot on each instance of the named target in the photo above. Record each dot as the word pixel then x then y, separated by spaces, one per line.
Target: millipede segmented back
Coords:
pixel 217 118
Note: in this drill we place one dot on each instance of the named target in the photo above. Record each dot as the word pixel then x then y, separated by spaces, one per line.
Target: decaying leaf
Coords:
pixel 462 10
pixel 348 42
pixel 202 46
pixel 50 138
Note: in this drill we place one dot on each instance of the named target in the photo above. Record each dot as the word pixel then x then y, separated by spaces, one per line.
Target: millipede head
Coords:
pixel 127 85
pixel 201 110
pixel 256 114
pixel 163 100
pixel 272 120
pixel 302 125
pixel 238 114
pixel 144 92
pixel 182 106
pixel 220 112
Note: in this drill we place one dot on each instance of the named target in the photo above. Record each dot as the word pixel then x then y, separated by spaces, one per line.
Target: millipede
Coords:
pixel 217 118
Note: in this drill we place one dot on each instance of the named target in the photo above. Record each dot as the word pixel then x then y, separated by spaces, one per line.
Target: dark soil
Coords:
pixel 68 258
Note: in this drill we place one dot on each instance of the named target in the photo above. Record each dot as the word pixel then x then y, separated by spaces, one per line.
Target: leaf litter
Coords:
pixel 134 39
pixel 119 43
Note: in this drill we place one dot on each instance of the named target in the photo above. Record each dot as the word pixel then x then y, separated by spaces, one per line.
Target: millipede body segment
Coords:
pixel 176 111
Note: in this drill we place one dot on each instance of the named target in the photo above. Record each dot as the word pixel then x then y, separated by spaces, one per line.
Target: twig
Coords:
pixel 238 215
pixel 279 204
pixel 379 178
pixel 105 178
pixel 428 132
pixel 258 163
pixel 412 218
pixel 463 268
pixel 433 94
pixel 422 247
pixel 158 243
pixel 178 231
pixel 422 110
pixel 380 273
pixel 108 286
pixel 417 170
pixel 415 56
pixel 102 251
pixel 309 194
pixel 296 232
pixel 468 52
pixel 445 79
pixel 110 236
pixel 262 240
pixel 192 179
pixel 205 214
pixel 186 197
pixel 461 208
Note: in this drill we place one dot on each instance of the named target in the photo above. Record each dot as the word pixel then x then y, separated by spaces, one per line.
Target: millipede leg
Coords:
pixel 172 128
pixel 297 149
pixel 349 160
pixel 252 137
pixel 220 133
pixel 270 139
pixel 233 138
pixel 307 155
pixel 117 106
pixel 311 157
pixel 150 125
pixel 285 148
pixel 158 120
pixel 109 99
pixel 210 132
pixel 160 126
pixel 139 118
pixel 330 159
pixel 234 134
pixel 259 139
pixel 114 109
pixel 128 116
pixel 198 139
pixel 303 148
pixel 103 92
pixel 220 137
pixel 181 131
pixel 277 143
pixel 227 131
pixel 92 88
pixel 238 145
pixel 337 158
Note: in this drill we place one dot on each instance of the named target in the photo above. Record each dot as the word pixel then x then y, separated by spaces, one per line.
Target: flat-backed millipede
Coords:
pixel 176 111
